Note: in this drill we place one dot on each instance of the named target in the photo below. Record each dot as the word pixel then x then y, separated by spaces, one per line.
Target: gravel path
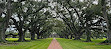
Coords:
pixel 54 45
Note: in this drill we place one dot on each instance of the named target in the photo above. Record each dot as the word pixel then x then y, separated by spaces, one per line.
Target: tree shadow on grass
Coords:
pixel 8 44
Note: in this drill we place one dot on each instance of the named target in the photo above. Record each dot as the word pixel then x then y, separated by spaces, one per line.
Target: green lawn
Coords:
pixel 65 43
pixel 78 44
pixel 37 44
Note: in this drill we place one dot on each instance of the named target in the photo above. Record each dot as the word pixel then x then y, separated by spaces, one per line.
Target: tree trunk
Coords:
pixel 88 39
pixel 109 36
pixel 109 26
pixel 66 36
pixel 71 36
pixel 107 21
pixel 77 37
pixel 21 36
pixel 2 35
pixel 38 29
pixel 5 22
pixel 38 36
pixel 32 36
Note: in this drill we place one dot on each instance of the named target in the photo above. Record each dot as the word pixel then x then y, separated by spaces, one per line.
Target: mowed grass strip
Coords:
pixel 35 44
pixel 79 44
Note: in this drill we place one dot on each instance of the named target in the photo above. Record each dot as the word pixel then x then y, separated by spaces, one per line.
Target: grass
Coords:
pixel 65 43
pixel 36 44
pixel 79 44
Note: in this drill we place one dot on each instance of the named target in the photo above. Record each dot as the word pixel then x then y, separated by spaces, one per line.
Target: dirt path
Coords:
pixel 54 45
